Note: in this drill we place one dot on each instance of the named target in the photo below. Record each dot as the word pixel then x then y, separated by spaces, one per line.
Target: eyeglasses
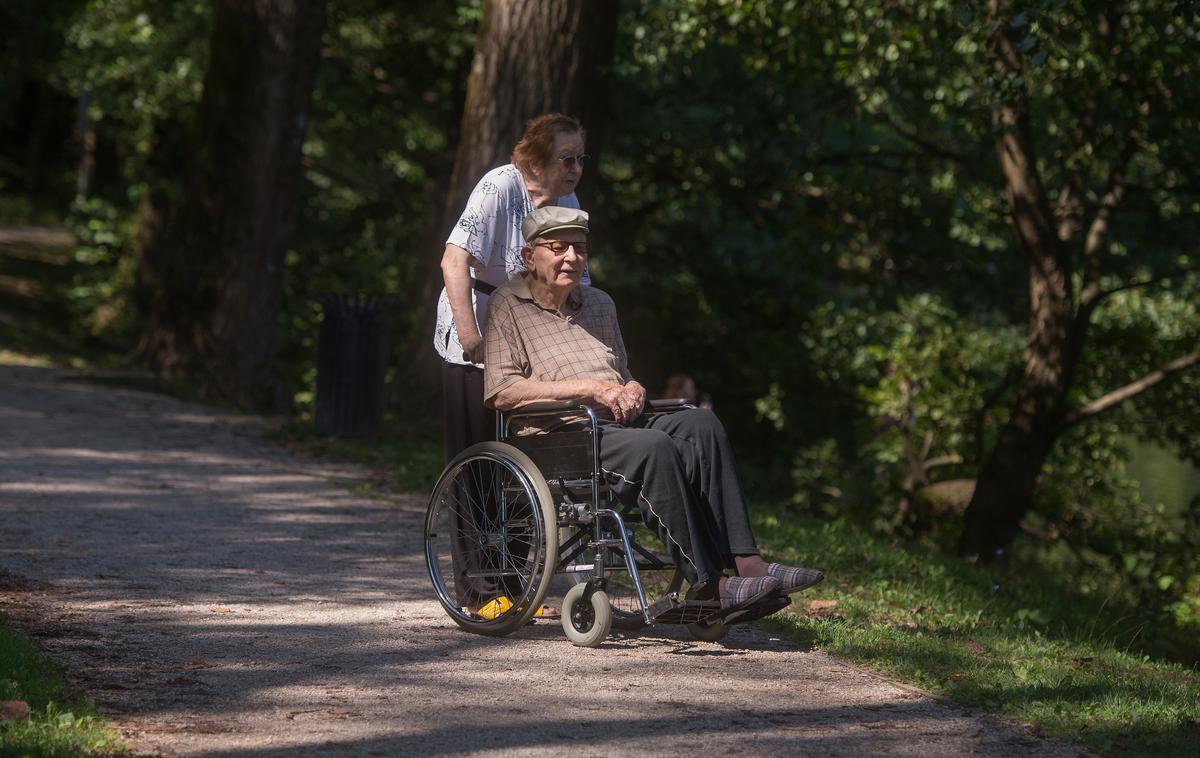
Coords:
pixel 560 248
pixel 571 160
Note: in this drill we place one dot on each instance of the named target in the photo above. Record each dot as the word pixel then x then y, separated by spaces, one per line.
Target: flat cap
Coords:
pixel 551 219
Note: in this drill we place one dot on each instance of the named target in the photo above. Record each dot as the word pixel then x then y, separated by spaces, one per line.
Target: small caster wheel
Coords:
pixel 586 623
pixel 708 632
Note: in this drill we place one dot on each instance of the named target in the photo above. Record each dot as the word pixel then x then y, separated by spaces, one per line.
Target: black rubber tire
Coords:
pixel 586 622
pixel 518 540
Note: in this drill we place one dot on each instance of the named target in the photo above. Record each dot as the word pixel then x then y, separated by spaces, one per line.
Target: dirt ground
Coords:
pixel 220 595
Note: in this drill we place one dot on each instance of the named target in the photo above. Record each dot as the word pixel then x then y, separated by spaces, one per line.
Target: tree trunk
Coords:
pixel 218 287
pixel 531 57
pixel 1008 478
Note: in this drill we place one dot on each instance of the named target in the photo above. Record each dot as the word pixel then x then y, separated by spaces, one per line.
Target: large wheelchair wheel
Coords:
pixel 490 533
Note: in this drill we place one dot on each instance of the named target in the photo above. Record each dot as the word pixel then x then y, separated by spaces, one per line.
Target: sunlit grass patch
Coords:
pixel 995 638
pixel 16 358
pixel 411 458
pixel 60 722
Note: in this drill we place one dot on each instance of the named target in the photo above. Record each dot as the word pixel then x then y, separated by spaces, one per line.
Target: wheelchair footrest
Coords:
pixel 672 610
pixel 761 609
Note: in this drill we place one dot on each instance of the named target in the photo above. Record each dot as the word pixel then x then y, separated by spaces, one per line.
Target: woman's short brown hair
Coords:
pixel 536 148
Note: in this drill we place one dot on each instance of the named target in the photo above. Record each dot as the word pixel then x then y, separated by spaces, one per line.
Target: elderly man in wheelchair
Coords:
pixel 583 460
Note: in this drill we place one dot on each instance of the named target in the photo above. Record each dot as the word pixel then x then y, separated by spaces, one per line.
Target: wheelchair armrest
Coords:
pixel 559 408
pixel 577 408
pixel 546 405
pixel 668 406
pixel 567 406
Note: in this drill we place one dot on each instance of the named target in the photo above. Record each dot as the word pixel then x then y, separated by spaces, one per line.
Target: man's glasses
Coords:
pixel 571 160
pixel 560 248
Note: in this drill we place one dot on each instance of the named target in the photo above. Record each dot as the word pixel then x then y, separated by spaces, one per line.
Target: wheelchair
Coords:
pixel 517 513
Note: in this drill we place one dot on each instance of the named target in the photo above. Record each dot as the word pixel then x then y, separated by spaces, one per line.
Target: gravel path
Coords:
pixel 220 595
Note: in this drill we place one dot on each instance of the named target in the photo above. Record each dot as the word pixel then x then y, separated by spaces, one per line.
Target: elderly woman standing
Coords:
pixel 483 252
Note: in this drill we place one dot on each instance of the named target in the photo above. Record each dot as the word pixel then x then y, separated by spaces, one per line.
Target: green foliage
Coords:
pixel 738 218
pixel 1088 501
pixel 929 386
pixel 1151 326
pixel 388 98
pixel 104 270
pixel 827 245
pixel 141 64
pixel 60 723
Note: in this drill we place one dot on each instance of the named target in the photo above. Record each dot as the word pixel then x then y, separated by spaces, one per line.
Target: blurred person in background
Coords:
pixel 683 387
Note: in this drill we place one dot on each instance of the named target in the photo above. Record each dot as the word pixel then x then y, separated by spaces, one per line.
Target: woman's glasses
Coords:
pixel 572 160
pixel 560 248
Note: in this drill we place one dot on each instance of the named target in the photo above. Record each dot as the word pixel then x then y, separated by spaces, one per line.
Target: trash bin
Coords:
pixel 351 363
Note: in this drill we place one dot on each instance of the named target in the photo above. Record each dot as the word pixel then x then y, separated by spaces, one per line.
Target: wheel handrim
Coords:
pixel 494 505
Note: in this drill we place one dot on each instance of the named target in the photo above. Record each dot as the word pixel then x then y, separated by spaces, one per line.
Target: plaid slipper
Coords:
pixel 743 590
pixel 793 578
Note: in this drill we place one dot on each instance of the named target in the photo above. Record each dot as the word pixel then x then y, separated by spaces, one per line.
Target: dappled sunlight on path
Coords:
pixel 220 595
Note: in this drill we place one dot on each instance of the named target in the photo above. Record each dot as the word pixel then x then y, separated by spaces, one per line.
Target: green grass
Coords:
pixel 408 454
pixel 996 638
pixel 61 722
pixel 40 321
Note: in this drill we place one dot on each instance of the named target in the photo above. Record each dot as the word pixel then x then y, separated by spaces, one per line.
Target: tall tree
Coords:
pixel 1067 245
pixel 215 282
pixel 940 180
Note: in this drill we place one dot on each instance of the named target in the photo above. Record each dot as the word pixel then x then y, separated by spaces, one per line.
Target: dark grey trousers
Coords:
pixel 678 468
pixel 465 421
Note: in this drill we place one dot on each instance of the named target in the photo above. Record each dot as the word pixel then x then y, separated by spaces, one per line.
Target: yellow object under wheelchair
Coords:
pixel 502 605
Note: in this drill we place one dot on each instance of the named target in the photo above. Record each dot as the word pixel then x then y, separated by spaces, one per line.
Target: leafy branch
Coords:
pixel 1134 388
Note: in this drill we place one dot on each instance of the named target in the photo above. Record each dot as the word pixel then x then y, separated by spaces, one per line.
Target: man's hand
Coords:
pixel 635 397
pixel 472 345
pixel 625 402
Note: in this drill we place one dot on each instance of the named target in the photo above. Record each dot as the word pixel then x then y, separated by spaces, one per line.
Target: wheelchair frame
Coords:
pixel 598 542
pixel 566 459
